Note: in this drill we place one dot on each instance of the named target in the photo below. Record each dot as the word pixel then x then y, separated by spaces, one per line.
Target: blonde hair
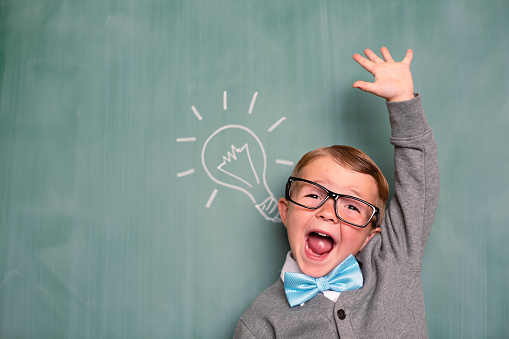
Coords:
pixel 355 160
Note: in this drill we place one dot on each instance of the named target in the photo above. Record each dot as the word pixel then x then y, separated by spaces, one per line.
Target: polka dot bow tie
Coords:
pixel 300 288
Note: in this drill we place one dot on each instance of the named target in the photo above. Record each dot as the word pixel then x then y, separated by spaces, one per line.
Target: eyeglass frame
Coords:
pixel 335 196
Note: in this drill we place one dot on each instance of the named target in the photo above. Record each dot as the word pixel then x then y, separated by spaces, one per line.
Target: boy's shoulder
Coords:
pixel 255 322
pixel 271 301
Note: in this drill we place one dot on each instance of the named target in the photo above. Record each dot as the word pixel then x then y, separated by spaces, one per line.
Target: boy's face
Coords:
pixel 302 224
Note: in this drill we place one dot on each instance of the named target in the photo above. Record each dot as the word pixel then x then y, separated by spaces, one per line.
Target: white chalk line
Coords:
pixel 183 174
pixel 211 199
pixel 225 101
pixel 276 124
pixel 284 162
pixel 252 103
pixel 190 139
pixel 195 111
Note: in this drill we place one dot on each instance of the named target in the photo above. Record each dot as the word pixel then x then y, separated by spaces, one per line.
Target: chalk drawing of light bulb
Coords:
pixel 234 157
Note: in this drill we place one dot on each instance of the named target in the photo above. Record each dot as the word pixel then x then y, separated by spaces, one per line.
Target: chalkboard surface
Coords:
pixel 115 220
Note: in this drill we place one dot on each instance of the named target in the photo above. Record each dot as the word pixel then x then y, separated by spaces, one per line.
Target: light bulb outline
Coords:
pixel 268 208
pixel 264 156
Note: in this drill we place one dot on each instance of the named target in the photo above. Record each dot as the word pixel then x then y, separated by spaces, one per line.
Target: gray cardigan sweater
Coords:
pixel 391 303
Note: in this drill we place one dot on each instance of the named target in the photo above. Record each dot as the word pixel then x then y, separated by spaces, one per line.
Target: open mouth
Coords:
pixel 319 244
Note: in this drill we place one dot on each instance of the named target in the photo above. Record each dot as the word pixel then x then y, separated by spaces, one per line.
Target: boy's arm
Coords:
pixel 409 216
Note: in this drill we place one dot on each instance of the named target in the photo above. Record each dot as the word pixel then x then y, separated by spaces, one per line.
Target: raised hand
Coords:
pixel 393 80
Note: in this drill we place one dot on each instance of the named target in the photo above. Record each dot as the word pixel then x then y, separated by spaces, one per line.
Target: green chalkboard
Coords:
pixel 114 225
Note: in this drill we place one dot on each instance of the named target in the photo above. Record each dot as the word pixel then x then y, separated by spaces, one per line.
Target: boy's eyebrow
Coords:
pixel 355 192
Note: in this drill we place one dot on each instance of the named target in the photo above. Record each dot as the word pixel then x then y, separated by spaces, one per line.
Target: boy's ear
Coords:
pixel 370 235
pixel 283 210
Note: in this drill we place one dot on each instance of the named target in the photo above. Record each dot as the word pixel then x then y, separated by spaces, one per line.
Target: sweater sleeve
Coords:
pixel 410 213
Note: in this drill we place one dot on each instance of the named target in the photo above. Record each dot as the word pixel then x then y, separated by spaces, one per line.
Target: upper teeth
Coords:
pixel 322 234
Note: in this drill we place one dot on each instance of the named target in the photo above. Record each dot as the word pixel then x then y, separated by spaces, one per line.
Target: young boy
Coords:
pixel 354 269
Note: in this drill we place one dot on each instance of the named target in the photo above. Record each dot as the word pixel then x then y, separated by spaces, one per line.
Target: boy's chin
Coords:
pixel 318 265
pixel 320 268
pixel 317 271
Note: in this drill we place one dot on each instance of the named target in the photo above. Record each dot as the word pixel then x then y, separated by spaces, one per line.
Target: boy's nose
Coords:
pixel 328 211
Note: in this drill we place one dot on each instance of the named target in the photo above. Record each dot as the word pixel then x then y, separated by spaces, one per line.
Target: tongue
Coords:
pixel 318 244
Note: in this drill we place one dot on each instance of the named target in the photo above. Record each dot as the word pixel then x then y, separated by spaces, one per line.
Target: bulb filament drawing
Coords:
pixel 232 156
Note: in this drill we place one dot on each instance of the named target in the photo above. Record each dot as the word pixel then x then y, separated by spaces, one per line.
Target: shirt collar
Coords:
pixel 289 266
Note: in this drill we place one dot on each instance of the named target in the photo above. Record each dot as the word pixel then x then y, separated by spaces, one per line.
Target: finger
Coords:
pixel 365 86
pixel 372 56
pixel 365 63
pixel 385 53
pixel 408 57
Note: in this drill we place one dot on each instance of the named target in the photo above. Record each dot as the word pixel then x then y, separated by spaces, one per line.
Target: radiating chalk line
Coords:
pixel 276 124
pixel 252 103
pixel 284 162
pixel 190 139
pixel 212 196
pixel 183 174
pixel 195 111
pixel 225 101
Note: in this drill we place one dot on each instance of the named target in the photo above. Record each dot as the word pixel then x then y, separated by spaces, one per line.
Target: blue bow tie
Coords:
pixel 300 288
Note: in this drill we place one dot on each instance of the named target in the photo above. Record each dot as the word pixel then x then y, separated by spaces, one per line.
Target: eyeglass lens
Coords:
pixel 311 196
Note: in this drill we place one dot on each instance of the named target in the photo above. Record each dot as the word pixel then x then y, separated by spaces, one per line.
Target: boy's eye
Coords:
pixel 352 208
pixel 307 194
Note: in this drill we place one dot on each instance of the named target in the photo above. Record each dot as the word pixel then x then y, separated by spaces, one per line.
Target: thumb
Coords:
pixel 365 86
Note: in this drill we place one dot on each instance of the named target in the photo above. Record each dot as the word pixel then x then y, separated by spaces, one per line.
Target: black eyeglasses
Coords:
pixel 349 209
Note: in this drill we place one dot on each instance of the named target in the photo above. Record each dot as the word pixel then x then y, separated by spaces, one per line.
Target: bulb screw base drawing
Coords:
pixel 268 208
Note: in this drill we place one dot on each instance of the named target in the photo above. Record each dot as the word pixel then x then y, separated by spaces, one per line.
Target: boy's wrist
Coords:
pixel 403 97
pixel 407 118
